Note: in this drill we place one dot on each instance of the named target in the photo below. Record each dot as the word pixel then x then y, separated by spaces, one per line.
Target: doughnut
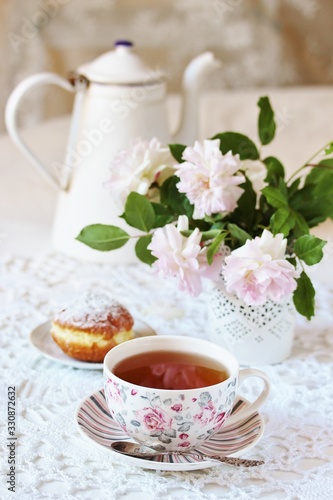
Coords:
pixel 88 327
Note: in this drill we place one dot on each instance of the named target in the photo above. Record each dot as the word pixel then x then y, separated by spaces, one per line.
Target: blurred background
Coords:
pixel 260 42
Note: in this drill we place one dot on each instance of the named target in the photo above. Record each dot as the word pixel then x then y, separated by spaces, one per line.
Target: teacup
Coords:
pixel 196 398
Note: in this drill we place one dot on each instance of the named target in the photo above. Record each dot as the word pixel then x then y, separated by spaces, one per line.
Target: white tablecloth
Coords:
pixel 52 459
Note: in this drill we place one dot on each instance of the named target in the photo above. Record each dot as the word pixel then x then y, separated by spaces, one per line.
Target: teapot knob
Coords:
pixel 123 43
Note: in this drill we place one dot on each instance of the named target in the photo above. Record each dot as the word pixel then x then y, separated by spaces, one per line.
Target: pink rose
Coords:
pixel 183 436
pixel 182 256
pixel 177 407
pixel 210 179
pixel 154 418
pixel 113 391
pixel 219 420
pixel 207 414
pixel 185 444
pixel 137 168
pixel 258 270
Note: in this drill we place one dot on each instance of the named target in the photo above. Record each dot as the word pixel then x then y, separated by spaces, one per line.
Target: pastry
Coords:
pixel 90 326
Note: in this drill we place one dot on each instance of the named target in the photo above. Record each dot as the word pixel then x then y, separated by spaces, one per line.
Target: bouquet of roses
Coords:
pixel 221 208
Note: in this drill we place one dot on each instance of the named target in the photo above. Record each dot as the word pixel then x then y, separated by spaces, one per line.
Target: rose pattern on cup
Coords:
pixel 157 422
pixel 170 419
pixel 114 391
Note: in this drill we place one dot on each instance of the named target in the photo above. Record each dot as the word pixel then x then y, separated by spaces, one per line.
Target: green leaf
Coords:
pixel 329 149
pixel 205 235
pixel 292 260
pixel 246 206
pixel 327 162
pixel 139 212
pixel 218 225
pixel 213 248
pixel 283 188
pixel 237 144
pixel 266 122
pixel 282 221
pixel 309 248
pixel 321 174
pixel 313 207
pixel 275 197
pixel 177 151
pixel 321 179
pixel 304 296
pixel 294 187
pixel 187 232
pixel 163 215
pixel 211 219
pixel 238 233
pixel 177 201
pixel 275 170
pixel 142 251
pixel 301 226
pixel 314 200
pixel 102 237
pixel 210 235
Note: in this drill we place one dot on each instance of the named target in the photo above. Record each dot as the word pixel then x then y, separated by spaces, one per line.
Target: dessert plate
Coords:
pixel 41 339
pixel 95 423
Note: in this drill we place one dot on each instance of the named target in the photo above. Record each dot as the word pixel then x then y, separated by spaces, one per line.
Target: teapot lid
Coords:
pixel 120 67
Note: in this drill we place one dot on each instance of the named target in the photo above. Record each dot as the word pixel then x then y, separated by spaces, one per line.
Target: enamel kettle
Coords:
pixel 117 99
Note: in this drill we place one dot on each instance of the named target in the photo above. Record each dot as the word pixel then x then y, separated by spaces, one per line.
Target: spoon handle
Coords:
pixel 238 462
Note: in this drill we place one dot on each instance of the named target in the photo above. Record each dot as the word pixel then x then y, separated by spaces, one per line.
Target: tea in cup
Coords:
pixel 174 392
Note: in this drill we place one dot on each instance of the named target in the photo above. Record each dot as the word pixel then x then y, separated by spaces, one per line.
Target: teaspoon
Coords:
pixel 141 451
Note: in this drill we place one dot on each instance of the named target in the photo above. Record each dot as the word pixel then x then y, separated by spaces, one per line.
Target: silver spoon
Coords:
pixel 141 451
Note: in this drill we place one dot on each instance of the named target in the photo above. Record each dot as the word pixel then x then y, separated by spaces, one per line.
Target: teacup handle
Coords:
pixel 253 406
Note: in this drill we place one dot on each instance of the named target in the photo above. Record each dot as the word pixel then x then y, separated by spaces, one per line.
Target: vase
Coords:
pixel 256 335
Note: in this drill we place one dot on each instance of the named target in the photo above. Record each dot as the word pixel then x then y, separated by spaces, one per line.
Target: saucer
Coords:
pixel 41 340
pixel 95 423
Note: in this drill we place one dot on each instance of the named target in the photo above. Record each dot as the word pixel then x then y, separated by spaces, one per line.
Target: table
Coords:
pixel 52 458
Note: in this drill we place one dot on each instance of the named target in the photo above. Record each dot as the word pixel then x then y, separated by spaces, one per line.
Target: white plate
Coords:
pixel 95 423
pixel 41 339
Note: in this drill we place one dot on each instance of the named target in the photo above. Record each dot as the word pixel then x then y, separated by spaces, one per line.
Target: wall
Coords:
pixel 260 42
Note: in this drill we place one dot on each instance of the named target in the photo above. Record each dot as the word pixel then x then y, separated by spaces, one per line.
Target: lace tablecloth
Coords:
pixel 54 461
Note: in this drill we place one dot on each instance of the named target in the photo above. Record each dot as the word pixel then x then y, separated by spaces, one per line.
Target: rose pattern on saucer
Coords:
pixel 148 418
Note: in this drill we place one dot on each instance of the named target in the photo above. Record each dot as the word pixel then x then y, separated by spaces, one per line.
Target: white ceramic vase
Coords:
pixel 256 335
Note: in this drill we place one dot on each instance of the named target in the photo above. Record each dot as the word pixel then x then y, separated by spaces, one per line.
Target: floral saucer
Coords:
pixel 95 423
pixel 41 339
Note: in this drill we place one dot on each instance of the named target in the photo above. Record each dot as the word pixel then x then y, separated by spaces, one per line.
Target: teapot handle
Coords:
pixel 11 116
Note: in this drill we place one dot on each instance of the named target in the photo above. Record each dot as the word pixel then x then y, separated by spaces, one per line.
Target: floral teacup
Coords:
pixel 176 419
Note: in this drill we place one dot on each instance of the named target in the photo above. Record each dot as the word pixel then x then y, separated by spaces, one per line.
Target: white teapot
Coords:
pixel 118 99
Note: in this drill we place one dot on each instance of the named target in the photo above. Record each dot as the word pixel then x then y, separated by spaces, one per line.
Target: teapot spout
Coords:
pixel 194 75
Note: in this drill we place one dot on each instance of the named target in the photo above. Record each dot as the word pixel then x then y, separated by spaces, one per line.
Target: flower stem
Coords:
pixel 308 162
